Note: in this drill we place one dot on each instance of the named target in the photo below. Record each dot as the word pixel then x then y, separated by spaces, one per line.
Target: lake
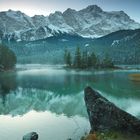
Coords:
pixel 49 100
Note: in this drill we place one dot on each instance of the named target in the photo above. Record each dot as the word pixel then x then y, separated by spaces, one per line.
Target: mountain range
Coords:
pixel 91 22
pixel 41 39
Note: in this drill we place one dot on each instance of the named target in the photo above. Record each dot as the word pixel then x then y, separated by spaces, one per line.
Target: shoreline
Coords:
pixel 21 67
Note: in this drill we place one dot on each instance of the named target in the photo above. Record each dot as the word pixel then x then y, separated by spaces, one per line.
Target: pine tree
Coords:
pixel 7 57
pixel 68 59
pixel 77 60
pixel 84 60
pixel 98 62
pixel 65 55
pixel 107 62
pixel 93 59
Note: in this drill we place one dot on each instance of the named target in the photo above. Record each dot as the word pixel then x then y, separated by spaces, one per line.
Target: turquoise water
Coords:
pixel 49 100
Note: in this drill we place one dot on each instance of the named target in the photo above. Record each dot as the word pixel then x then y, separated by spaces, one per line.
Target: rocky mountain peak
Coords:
pixel 58 13
pixel 56 16
pixel 69 11
pixel 92 8
pixel 13 13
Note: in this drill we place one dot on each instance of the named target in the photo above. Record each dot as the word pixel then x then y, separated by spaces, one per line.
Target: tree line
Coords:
pixel 85 59
pixel 7 58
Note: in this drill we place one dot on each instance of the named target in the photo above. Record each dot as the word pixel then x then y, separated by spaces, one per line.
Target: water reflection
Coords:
pixel 50 100
pixel 7 83
pixel 21 101
pixel 61 91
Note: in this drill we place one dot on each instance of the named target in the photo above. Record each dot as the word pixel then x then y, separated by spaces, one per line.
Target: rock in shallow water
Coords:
pixel 31 136
pixel 105 116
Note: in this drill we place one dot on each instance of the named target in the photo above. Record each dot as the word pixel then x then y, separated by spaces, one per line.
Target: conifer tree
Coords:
pixel 77 59
pixel 68 59
pixel 84 60
pixel 65 55
pixel 93 59
pixel 7 58
pixel 107 62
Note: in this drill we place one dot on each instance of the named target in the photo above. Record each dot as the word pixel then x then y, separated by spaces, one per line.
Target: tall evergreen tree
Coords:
pixel 93 59
pixel 65 55
pixel 107 62
pixel 84 59
pixel 68 59
pixel 7 58
pixel 77 59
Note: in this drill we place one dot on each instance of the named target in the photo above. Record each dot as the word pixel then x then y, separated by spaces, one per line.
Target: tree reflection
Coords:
pixel 7 83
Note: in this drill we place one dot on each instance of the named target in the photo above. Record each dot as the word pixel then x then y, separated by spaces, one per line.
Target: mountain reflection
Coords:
pixel 61 91
pixel 21 101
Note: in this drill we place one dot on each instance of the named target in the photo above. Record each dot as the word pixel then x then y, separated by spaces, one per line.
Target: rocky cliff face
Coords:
pixel 105 116
pixel 89 22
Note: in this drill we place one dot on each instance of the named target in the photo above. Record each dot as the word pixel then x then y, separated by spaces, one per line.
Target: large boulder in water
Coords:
pixel 31 136
pixel 105 116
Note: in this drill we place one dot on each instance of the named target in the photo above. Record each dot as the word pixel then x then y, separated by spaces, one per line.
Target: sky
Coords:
pixel 45 7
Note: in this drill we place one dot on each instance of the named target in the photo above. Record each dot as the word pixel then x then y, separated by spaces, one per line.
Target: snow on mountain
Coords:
pixel 11 21
pixel 89 22
pixel 40 20
pixel 58 22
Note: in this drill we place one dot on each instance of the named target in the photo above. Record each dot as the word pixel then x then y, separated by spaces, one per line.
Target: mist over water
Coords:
pixel 53 98
pixel 130 105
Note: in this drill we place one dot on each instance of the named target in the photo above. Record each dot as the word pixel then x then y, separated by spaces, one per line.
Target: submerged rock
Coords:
pixel 105 116
pixel 31 136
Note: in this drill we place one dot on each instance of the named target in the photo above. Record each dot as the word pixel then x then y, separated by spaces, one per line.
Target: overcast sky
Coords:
pixel 45 7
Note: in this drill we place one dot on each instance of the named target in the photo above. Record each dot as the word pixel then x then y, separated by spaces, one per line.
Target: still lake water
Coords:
pixel 49 100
